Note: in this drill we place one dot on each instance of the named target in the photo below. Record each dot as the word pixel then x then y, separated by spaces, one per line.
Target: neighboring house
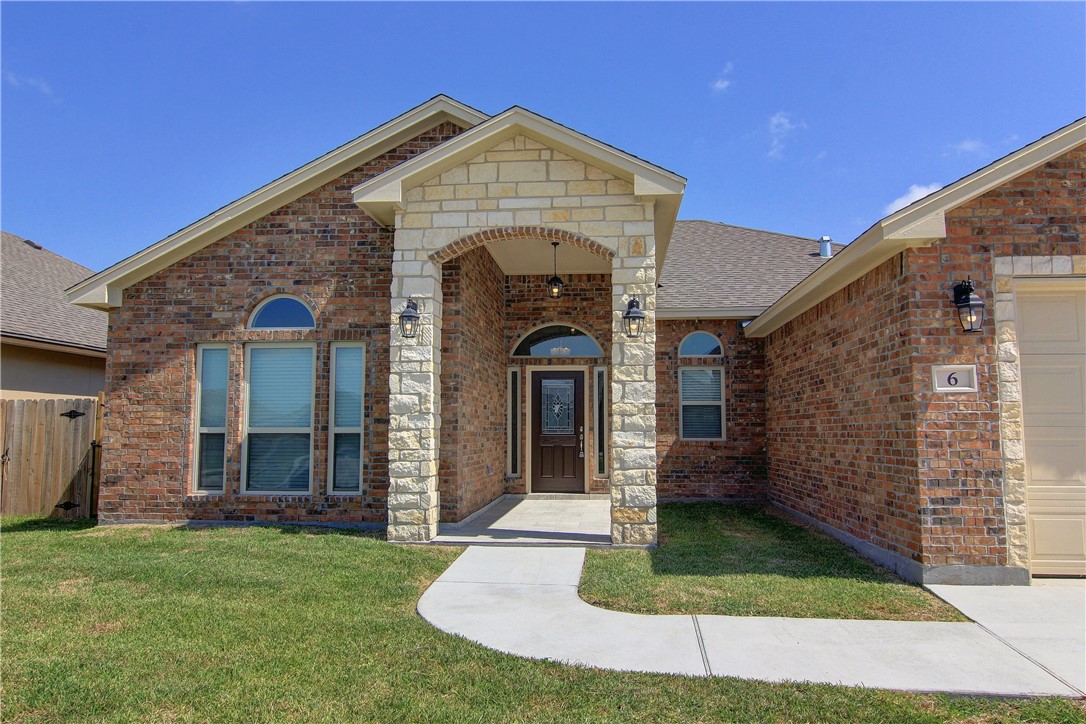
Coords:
pixel 260 370
pixel 48 348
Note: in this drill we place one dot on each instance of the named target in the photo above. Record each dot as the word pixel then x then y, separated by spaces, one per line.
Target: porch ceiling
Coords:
pixel 535 256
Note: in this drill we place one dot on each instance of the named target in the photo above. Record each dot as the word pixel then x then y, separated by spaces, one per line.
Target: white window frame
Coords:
pixel 360 430
pixel 703 403
pixel 276 430
pixel 195 487
pixel 708 356
pixel 514 397
pixel 257 309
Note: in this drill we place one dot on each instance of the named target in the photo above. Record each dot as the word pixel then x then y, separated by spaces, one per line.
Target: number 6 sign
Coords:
pixel 954 378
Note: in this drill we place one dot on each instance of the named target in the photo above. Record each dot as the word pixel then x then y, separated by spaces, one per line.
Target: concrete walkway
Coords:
pixel 549 520
pixel 523 601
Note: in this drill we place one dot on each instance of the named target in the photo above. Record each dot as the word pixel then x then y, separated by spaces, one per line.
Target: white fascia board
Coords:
pixel 738 312
pixel 53 346
pixel 919 224
pixel 103 290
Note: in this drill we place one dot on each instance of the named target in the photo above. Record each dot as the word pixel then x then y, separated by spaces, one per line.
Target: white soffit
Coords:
pixel 381 196
pixel 103 290
pixel 921 223
pixel 536 257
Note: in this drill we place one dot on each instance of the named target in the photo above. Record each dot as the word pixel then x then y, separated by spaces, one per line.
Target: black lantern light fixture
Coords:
pixel 409 319
pixel 633 319
pixel 970 306
pixel 555 283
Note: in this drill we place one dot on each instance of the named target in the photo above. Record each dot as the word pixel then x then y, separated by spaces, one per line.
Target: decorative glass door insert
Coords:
pixel 557 407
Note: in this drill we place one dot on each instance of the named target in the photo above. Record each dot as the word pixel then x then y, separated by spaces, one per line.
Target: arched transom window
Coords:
pixel 558 340
pixel 282 312
pixel 700 344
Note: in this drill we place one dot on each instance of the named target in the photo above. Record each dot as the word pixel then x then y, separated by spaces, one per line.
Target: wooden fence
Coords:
pixel 50 462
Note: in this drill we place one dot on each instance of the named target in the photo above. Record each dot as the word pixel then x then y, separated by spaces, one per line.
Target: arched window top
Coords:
pixel 282 312
pixel 700 344
pixel 558 340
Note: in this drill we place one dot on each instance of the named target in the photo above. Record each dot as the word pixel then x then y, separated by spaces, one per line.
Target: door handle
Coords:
pixel 582 442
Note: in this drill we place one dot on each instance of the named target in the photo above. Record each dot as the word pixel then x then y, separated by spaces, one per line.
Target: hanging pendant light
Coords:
pixel 555 283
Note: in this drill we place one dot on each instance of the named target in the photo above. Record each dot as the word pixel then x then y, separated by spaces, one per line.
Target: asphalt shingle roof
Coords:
pixel 32 301
pixel 711 265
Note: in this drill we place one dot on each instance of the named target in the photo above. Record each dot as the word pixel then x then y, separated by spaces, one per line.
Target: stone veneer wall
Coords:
pixel 320 247
pixel 473 363
pixel 735 469
pixel 946 489
pixel 521 189
pixel 585 303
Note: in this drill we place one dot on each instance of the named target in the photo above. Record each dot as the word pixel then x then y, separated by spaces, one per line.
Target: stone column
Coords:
pixel 414 400
pixel 633 397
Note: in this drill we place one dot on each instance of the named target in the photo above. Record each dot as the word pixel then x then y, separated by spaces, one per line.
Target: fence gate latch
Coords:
pixel 72 414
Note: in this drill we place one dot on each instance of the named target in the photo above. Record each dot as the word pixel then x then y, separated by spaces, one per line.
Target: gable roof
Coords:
pixel 33 308
pixel 921 223
pixel 380 195
pixel 103 290
pixel 721 271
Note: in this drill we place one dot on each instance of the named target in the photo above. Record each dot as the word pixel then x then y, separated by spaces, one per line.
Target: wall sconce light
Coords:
pixel 555 283
pixel 970 306
pixel 409 319
pixel 633 319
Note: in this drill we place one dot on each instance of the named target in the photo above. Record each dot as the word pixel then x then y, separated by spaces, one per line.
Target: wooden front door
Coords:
pixel 558 435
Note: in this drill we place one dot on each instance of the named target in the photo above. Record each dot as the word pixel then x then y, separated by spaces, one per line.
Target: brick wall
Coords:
pixel 321 248
pixel 857 439
pixel 473 384
pixel 586 303
pixel 734 469
pixel 841 413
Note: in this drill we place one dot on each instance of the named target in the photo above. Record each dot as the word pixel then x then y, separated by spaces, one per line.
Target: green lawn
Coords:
pixel 745 561
pixel 259 624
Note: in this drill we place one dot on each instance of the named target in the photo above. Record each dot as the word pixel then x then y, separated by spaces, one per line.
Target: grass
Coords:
pixel 747 561
pixel 283 624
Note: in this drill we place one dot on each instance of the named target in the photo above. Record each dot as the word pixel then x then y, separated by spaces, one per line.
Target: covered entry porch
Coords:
pixel 467 214
pixel 550 519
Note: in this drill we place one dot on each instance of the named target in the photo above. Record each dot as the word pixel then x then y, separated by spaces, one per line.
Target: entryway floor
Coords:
pixel 551 520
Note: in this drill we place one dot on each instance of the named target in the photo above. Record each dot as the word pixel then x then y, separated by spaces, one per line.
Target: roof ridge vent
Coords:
pixel 825 247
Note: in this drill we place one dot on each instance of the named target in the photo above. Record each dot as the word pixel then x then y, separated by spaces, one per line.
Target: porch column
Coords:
pixel 414 400
pixel 633 397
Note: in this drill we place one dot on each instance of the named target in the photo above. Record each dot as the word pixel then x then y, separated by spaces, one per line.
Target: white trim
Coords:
pixel 704 403
pixel 256 310
pixel 360 430
pixel 599 432
pixel 529 428
pixel 719 344
pixel 274 430
pixel 918 224
pixel 737 312
pixel 198 430
pixel 103 290
pixel 513 397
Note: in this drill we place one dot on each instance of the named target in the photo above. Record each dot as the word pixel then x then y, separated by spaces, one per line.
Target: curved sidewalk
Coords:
pixel 523 601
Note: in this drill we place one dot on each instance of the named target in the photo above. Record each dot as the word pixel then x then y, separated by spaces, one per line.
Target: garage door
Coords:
pixel 1052 346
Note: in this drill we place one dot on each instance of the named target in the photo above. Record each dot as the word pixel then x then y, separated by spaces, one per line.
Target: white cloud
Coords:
pixel 915 193
pixel 968 147
pixel 781 126
pixel 722 82
pixel 22 81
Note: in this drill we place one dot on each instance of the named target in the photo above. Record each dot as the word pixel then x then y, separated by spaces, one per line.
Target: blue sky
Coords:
pixel 123 122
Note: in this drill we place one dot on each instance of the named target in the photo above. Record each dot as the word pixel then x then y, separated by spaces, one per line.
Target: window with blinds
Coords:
pixel 279 418
pixel 701 408
pixel 212 375
pixel 347 416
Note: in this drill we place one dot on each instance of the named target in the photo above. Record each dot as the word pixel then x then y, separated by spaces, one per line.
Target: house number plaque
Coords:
pixel 954 378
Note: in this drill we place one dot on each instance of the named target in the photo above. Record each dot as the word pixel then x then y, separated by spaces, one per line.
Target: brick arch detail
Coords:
pixel 502 233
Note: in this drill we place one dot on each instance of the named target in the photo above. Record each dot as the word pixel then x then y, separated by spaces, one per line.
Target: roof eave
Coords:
pixel 726 312
pixel 922 223
pixel 104 289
